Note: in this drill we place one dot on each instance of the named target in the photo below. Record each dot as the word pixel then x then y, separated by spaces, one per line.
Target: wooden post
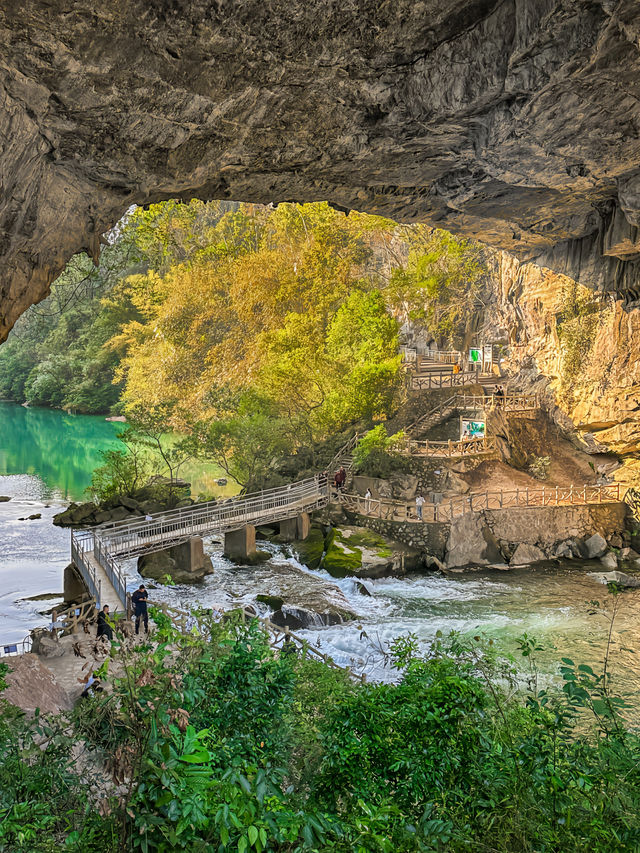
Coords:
pixel 556 496
pixel 501 498
pixel 527 496
pixel 517 497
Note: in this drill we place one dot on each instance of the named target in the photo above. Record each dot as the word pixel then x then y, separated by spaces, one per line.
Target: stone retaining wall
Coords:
pixel 546 526
pixel 491 536
pixel 429 537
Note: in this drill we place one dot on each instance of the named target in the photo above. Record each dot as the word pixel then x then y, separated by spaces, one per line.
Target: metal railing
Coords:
pixel 103 546
pixel 452 508
pixel 82 546
pixel 20 647
pixel 446 449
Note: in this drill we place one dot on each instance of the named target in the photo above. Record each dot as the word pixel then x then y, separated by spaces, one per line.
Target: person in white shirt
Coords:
pixel 419 504
pixel 367 502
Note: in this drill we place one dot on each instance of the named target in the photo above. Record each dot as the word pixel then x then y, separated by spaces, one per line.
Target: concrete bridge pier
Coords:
pixel 297 527
pixel 240 544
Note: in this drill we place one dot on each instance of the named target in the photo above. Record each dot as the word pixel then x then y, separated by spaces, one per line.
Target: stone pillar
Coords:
pixel 240 544
pixel 303 524
pixel 289 529
pixel 73 585
pixel 189 556
pixel 295 528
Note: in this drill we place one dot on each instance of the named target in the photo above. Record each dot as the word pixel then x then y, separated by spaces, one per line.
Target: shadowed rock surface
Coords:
pixel 513 121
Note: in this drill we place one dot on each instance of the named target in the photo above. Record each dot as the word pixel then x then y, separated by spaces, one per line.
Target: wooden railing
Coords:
pixel 439 357
pixel 474 402
pixel 446 449
pixel 436 379
pixel 507 402
pixel 452 508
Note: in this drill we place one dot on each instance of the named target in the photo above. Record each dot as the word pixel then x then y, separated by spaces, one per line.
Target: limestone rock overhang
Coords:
pixel 515 122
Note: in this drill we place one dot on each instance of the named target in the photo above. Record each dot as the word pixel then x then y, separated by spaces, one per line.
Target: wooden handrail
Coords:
pixel 451 508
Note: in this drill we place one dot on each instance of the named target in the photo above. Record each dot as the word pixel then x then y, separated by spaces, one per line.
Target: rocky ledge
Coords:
pixel 512 122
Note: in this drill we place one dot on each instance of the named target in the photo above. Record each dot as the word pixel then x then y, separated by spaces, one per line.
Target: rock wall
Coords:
pixel 602 398
pixel 511 121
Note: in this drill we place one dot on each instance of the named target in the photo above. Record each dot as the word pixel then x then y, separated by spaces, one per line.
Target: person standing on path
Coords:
pixel 104 624
pixel 419 505
pixel 367 502
pixel 139 601
pixel 340 477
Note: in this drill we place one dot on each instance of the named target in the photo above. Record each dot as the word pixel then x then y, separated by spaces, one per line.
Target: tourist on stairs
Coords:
pixel 139 601
pixel 419 505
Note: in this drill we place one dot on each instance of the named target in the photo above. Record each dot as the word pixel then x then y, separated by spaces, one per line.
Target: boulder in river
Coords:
pixel 619 578
pixel 609 561
pixel 4 499
pixel 525 554
pixel 301 599
pixel 568 550
pixel 595 546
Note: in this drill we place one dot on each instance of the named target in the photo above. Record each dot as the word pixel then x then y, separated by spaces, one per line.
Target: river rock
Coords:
pixel 609 561
pixel 291 616
pixel 595 546
pixel 31 685
pixel 293 592
pixel 526 554
pixel 174 563
pixel 310 550
pixel 619 578
pixel 4 499
pixel 628 554
pixel 568 550
pixel 471 542
pixel 49 647
pixel 364 587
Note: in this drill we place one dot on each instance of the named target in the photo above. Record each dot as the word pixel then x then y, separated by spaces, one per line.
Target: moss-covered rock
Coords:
pixel 272 601
pixel 310 550
pixel 360 552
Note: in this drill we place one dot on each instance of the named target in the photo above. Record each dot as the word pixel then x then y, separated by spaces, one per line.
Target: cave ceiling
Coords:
pixel 514 122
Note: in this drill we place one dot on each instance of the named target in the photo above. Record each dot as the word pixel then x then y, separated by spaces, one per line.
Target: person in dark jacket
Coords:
pixel 104 624
pixel 139 601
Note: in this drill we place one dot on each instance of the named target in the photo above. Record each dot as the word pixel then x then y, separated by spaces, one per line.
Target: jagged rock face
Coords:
pixel 603 399
pixel 513 121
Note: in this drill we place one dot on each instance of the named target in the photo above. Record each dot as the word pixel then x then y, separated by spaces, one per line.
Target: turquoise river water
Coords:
pixel 46 458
